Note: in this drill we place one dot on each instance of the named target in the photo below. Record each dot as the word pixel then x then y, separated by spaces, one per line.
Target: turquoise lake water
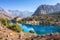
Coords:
pixel 40 29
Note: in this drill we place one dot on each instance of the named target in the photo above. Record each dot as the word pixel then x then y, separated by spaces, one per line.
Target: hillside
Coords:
pixel 8 34
pixel 55 13
pixel 5 14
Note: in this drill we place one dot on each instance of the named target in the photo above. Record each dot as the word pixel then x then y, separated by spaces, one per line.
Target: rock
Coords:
pixel 1 36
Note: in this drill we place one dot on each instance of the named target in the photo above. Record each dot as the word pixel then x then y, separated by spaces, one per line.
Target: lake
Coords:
pixel 40 29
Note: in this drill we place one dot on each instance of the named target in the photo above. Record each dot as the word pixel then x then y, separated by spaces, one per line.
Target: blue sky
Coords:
pixel 22 5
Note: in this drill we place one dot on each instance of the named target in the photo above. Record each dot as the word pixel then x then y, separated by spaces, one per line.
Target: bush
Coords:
pixel 15 27
pixel 5 21
pixel 31 31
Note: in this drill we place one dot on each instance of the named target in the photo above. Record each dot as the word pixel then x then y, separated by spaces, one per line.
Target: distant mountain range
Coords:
pixel 42 9
pixel 22 14
pixel 46 9
pixel 14 13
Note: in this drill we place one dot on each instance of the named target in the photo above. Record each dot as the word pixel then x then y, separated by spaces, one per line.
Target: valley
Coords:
pixel 43 24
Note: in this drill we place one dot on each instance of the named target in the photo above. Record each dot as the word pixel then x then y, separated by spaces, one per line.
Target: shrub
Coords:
pixel 5 21
pixel 15 27
pixel 31 31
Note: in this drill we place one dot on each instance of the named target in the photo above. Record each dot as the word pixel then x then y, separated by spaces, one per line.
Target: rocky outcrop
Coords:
pixel 7 34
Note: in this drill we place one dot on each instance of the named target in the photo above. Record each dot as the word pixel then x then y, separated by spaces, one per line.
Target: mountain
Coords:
pixel 22 14
pixel 5 14
pixel 14 13
pixel 45 9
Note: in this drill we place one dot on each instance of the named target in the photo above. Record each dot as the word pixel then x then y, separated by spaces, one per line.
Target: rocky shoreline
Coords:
pixel 53 36
pixel 7 34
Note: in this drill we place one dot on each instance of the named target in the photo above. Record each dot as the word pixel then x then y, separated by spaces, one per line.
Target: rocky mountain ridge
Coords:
pixel 46 9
